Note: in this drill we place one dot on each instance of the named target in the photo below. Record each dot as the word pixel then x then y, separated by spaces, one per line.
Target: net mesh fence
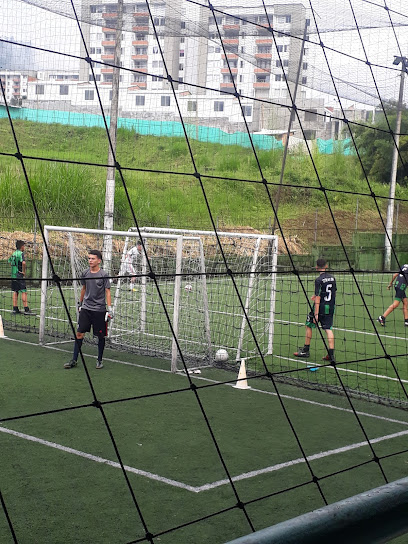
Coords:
pixel 210 100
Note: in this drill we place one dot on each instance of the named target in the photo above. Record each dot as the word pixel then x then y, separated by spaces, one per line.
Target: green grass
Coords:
pixel 57 496
pixel 73 194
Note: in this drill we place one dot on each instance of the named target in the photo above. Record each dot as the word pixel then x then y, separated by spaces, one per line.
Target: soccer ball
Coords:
pixel 188 287
pixel 221 355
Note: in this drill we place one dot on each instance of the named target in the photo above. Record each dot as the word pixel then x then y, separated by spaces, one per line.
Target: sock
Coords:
pixel 77 345
pixel 101 347
pixel 331 354
pixel 26 309
pixel 15 308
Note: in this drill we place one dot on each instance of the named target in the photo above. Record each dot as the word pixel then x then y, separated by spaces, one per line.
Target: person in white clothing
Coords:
pixel 129 263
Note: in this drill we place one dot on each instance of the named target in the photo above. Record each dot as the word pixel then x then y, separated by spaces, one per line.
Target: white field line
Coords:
pixel 97 459
pixel 202 378
pixel 208 486
pixel 342 369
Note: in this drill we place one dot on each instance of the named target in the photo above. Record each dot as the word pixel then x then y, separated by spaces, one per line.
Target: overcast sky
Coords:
pixel 335 19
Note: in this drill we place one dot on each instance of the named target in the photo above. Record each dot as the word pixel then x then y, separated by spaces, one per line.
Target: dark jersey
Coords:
pixel 325 288
pixel 402 278
pixel 16 261
pixel 95 285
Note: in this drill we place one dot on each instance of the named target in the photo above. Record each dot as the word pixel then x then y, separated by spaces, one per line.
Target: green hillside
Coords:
pixel 69 187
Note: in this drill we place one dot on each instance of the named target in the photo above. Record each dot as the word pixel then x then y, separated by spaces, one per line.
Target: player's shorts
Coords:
pixel 88 318
pixel 18 285
pixel 399 294
pixel 325 320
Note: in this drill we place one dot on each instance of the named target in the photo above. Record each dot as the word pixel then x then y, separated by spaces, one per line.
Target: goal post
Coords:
pixel 185 311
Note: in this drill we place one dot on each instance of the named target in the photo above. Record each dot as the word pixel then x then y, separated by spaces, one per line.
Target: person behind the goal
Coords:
pixel 400 295
pixel 324 301
pixel 129 263
pixel 95 296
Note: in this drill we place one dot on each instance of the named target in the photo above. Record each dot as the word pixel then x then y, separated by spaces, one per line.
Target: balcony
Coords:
pixel 105 83
pixel 229 56
pixel 108 30
pixel 263 85
pixel 138 85
pixel 228 28
pixel 107 71
pixel 140 42
pixel 109 43
pixel 107 57
pixel 231 41
pixel 142 70
pixel 109 15
pixel 224 86
pixel 266 41
pixel 263 55
pixel 226 71
pixel 144 28
pixel 262 70
pixel 144 14
pixel 139 57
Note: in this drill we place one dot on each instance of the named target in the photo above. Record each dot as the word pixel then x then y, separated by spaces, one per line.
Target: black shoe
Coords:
pixel 381 320
pixel 70 364
pixel 302 353
pixel 16 311
pixel 406 322
pixel 328 358
pixel 28 312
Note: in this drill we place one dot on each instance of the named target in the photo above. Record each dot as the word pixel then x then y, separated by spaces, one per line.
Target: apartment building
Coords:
pixel 206 54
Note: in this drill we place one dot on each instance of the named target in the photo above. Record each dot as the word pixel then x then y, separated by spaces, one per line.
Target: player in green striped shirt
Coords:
pixel 18 284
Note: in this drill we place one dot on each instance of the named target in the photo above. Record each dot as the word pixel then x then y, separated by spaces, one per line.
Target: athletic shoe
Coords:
pixel 16 312
pixel 302 353
pixel 70 364
pixel 327 358
pixel 406 322
pixel 28 312
pixel 381 320
pixel 99 364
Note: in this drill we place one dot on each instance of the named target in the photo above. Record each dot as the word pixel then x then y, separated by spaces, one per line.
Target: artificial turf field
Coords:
pixel 60 478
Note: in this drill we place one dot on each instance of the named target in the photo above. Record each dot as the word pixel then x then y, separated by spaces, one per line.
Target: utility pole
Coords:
pixel 113 126
pixel 394 165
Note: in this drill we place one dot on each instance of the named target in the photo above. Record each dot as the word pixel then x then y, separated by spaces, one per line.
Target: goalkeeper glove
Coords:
pixel 109 314
pixel 79 304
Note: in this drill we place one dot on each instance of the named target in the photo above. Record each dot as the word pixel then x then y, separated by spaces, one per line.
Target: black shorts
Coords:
pixel 325 320
pixel 96 319
pixel 399 294
pixel 18 285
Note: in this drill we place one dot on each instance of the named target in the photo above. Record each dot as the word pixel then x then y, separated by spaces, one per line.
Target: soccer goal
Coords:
pixel 189 293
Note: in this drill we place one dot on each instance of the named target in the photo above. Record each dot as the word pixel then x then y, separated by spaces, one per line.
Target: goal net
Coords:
pixel 175 297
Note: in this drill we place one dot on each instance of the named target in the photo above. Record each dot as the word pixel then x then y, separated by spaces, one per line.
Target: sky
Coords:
pixel 346 50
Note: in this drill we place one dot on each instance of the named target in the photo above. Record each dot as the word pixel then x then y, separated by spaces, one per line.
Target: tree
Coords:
pixel 375 145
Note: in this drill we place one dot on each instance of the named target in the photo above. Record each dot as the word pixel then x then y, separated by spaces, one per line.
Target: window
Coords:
pixel 92 50
pixel 89 95
pixel 181 53
pixel 191 105
pixel 155 50
pixel 39 89
pixel 64 89
pixel 183 24
pixel 141 50
pixel 279 48
pixel 241 79
pixel 305 66
pixel 181 67
pixel 165 100
pixel 263 49
pixel 218 106
pixel 98 51
pixel 140 100
pixel 285 62
pixel 110 95
pixel 278 77
pixel 247 111
pixel 182 40
pixel 304 80
pixel 241 64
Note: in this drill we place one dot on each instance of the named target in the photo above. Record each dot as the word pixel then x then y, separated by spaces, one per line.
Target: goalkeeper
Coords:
pixel 95 296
